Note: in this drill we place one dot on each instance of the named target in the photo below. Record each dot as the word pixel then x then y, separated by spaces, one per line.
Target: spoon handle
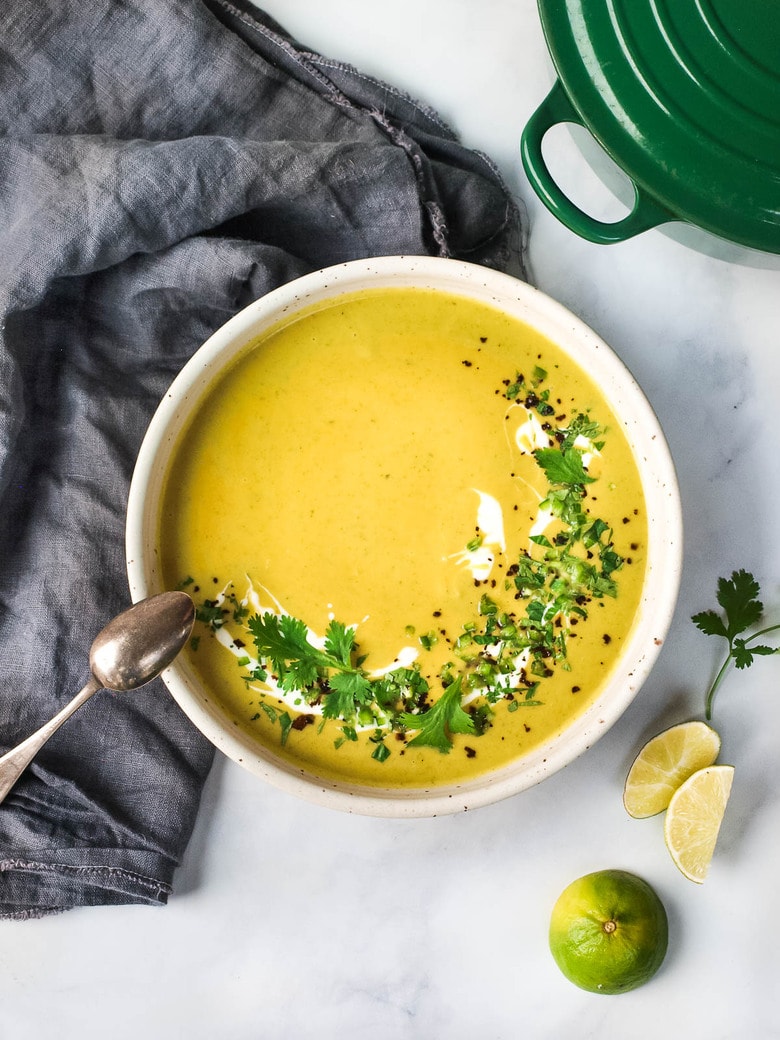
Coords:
pixel 14 762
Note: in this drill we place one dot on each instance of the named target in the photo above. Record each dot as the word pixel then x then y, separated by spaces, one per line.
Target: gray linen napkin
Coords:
pixel 162 163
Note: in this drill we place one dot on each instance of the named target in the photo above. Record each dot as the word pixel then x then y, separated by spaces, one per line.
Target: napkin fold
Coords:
pixel 162 164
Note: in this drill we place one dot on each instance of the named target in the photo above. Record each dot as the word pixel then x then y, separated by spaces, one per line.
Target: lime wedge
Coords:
pixel 694 817
pixel 664 763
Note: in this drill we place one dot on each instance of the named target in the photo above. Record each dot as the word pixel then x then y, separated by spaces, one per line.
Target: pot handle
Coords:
pixel 646 213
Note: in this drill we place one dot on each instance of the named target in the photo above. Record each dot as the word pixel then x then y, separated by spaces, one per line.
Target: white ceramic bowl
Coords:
pixel 664 555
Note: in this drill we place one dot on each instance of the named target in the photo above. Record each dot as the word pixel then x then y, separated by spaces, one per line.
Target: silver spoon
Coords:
pixel 131 650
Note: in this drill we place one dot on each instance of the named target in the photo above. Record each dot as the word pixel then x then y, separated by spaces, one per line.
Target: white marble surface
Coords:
pixel 291 921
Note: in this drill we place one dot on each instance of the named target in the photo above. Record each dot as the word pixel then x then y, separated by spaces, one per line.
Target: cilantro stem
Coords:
pixel 718 680
pixel 724 667
pixel 762 632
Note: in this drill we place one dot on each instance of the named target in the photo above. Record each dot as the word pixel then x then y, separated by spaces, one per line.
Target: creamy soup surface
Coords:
pixel 416 536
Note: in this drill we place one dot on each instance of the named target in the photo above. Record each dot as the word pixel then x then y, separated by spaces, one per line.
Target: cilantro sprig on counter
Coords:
pixel 738 596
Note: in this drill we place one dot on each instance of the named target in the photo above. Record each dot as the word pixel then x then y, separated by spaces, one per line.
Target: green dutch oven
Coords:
pixel 684 96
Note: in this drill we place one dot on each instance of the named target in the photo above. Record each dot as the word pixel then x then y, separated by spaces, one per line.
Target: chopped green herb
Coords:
pixel 211 613
pixel 381 752
pixel 286 723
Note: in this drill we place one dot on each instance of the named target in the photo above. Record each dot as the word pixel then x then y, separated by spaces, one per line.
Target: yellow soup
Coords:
pixel 416 535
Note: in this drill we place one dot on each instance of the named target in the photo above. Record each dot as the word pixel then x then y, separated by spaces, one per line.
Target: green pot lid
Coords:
pixel 684 95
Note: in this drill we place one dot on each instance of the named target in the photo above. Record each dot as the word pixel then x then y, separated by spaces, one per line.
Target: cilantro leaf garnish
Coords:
pixel 299 665
pixel 340 642
pixel 738 596
pixel 444 718
pixel 281 639
pixel 563 466
pixel 348 691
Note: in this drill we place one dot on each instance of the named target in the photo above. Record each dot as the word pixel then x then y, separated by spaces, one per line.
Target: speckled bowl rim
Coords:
pixel 659 594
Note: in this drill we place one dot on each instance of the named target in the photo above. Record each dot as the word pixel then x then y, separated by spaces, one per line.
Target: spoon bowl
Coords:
pixel 142 641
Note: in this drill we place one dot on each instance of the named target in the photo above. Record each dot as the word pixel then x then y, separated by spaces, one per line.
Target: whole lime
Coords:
pixel 609 932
